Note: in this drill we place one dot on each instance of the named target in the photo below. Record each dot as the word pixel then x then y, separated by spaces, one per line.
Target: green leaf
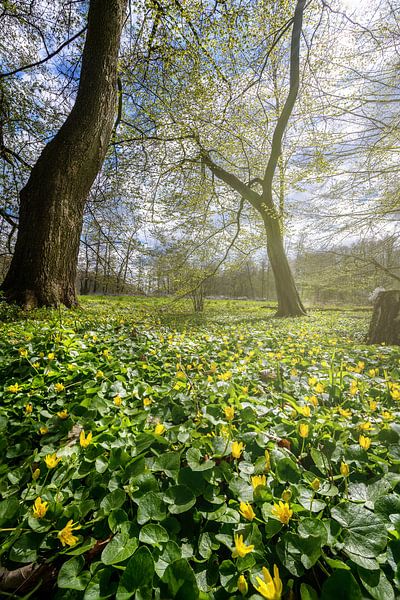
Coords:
pixel 376 584
pixel 363 533
pixel 151 507
pixel 25 548
pixel 113 501
pixel 8 509
pixel 195 462
pixel 169 462
pixel 307 592
pixel 287 471
pixel 181 580
pixel 121 547
pixel 70 575
pixel 180 499
pixel 153 534
pixel 341 584
pixel 138 574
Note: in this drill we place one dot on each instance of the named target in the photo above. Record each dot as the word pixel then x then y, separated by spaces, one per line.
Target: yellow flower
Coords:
pixel 36 474
pixel 305 411
pixel 257 480
pixel 106 353
pixel 62 414
pixel 213 367
pixel 373 405
pixel 36 365
pixel 367 426
pixel 313 400
pixel 117 400
pixel 147 401
pixel 59 387
pixel 66 536
pixel 282 512
pixel 267 461
pixel 344 469
pixel 364 442
pixel 373 372
pixel 51 460
pixel 387 415
pixel 319 388
pixel 316 484
pixel 159 429
pixel 360 365
pixel 23 352
pixel 14 388
pixel 344 412
pixel 229 413
pixel 353 388
pixel 51 356
pixel 270 588
pixel 28 408
pixel 85 441
pixel 180 375
pixel 99 374
pixel 237 449
pixel 43 430
pixel 39 508
pixel 242 585
pixel 246 510
pixel 303 430
pixel 241 549
pixel 225 376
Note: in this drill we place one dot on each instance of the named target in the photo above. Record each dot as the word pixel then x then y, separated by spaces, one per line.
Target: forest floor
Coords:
pixel 147 452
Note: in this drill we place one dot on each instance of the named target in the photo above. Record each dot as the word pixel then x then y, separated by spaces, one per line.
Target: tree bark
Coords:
pixel 385 322
pixel 43 268
pixel 289 302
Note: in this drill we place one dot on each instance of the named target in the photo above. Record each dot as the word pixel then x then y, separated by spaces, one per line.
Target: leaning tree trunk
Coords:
pixel 43 268
pixel 385 322
pixel 289 302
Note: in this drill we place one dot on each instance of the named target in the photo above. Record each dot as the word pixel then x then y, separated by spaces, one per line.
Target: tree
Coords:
pixel 289 302
pixel 43 267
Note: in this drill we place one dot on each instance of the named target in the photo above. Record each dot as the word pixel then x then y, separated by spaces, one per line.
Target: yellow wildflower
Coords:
pixel 246 510
pixel 267 461
pixel 242 585
pixel 319 388
pixel 14 388
pixel 373 405
pixel 51 356
pixel 364 442
pixel 39 508
pixel 312 381
pixel 62 414
pixel 117 400
pixel 305 411
pixel 28 408
pixel 270 588
pixel 241 549
pixel 313 400
pixel 316 484
pixel 387 415
pixel 367 426
pixel 225 376
pixel 66 536
pixel 23 352
pixel 344 469
pixel 282 512
pixel 257 480
pixel 43 430
pixel 353 388
pixel 303 430
pixel 159 429
pixel 106 353
pixel 99 374
pixel 85 441
pixel 237 449
pixel 344 412
pixel 180 375
pixel 36 474
pixel 59 387
pixel 229 413
pixel 373 372
pixel 147 401
pixel 51 460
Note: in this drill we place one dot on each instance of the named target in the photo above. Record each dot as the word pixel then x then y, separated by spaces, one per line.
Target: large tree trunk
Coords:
pixel 385 322
pixel 43 268
pixel 289 302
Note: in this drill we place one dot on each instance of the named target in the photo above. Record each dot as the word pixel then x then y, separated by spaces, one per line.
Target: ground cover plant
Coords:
pixel 147 453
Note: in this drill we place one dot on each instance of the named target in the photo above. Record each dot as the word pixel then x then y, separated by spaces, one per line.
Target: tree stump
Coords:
pixel 385 322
